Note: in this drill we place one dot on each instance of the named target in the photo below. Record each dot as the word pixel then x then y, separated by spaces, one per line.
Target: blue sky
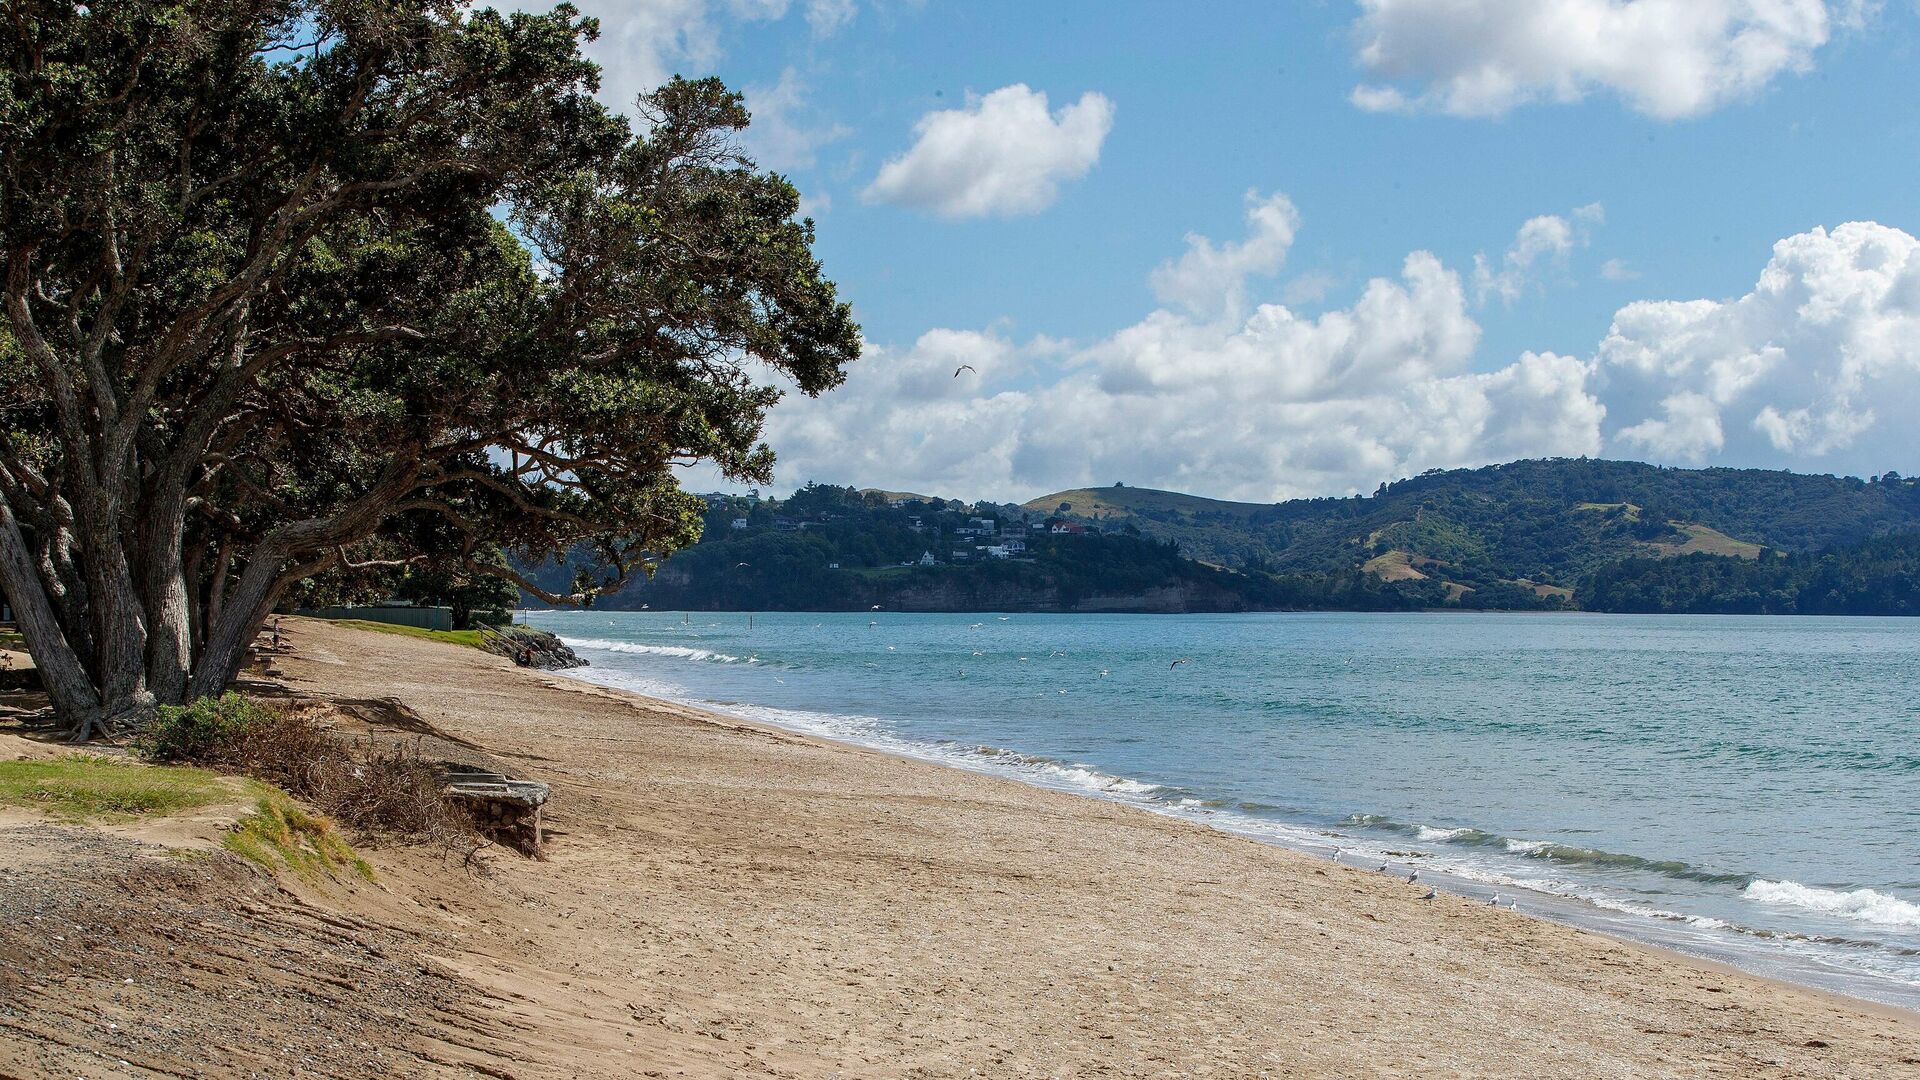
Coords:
pixel 1438 232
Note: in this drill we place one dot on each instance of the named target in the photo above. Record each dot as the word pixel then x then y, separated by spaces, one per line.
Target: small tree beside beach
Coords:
pixel 290 282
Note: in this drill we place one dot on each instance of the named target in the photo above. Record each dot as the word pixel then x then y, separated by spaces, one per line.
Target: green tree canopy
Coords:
pixel 284 278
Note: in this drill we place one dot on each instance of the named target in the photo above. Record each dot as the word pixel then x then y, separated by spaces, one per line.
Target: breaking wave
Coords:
pixel 678 651
pixel 1860 905
pixel 1547 851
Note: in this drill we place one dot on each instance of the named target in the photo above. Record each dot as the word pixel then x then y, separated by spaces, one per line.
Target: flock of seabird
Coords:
pixel 1414 876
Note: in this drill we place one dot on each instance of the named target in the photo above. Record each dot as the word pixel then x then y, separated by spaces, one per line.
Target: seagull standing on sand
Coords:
pixel 1413 877
pixel 1430 894
pixel 1495 902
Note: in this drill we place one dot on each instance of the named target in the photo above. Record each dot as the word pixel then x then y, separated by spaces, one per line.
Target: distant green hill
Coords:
pixel 897 496
pixel 1543 524
pixel 1120 503
pixel 1548 534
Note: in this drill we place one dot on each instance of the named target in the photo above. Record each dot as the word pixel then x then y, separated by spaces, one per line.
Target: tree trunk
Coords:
pixel 67 682
pixel 238 623
pixel 124 697
pixel 169 617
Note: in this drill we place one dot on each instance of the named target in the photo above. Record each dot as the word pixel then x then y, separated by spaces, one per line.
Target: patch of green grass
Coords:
pixel 1709 541
pixel 1119 503
pixel 469 638
pixel 85 787
pixel 1393 565
pixel 279 834
pixel 1627 510
pixel 12 639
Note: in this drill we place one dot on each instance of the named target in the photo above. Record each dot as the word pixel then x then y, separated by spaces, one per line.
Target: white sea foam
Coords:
pixel 1438 836
pixel 1645 911
pixel 680 651
pixel 1527 847
pixel 1861 905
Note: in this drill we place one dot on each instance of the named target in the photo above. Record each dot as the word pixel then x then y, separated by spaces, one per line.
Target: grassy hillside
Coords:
pixel 1121 503
pixel 1542 525
pixel 1529 535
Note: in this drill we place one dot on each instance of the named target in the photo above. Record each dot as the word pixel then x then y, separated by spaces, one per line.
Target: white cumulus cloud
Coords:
pixel 1211 278
pixel 782 135
pixel 1262 404
pixel 1003 154
pixel 1668 59
pixel 643 43
pixel 1821 358
pixel 1817 367
pixel 1544 241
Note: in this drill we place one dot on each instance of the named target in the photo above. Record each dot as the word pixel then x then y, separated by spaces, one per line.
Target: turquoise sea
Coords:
pixel 1741 788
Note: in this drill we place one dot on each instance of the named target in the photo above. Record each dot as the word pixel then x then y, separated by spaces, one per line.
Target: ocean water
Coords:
pixel 1746 789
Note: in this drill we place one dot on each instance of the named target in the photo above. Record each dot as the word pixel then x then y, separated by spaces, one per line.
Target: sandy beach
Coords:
pixel 722 900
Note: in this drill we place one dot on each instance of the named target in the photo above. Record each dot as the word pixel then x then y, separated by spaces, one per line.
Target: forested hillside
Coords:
pixel 1547 522
pixel 1879 577
pixel 1553 534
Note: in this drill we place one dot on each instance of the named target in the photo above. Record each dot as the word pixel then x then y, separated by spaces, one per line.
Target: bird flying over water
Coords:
pixel 961 368
pixel 1177 663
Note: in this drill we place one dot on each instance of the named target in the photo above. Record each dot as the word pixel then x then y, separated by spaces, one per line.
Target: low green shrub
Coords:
pixel 379 790
pixel 204 732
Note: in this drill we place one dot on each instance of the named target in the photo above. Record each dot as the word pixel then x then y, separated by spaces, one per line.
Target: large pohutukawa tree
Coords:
pixel 285 282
